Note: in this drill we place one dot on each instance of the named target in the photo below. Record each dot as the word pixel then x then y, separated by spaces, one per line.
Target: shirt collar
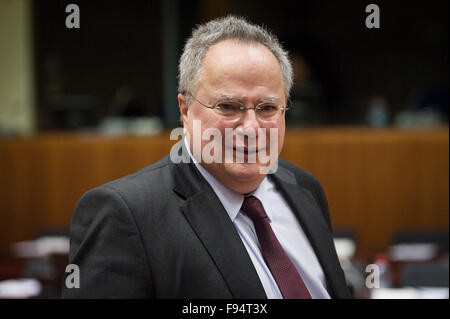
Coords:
pixel 263 194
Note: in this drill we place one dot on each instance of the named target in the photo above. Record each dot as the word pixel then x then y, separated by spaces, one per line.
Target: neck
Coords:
pixel 232 182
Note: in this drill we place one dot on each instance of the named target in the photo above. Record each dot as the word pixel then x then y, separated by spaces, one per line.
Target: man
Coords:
pixel 214 229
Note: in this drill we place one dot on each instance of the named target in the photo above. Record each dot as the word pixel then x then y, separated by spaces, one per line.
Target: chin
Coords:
pixel 244 172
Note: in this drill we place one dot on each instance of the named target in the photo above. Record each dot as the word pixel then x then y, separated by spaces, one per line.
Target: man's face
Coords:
pixel 248 73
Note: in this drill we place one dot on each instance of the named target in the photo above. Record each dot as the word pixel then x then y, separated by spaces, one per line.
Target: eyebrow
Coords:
pixel 229 98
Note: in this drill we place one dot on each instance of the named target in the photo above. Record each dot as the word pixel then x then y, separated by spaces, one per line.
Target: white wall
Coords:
pixel 16 68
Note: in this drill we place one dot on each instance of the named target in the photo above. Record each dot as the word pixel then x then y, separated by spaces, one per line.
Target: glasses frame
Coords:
pixel 282 108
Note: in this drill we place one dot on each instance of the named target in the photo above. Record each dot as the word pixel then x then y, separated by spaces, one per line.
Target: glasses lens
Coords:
pixel 267 110
pixel 233 110
pixel 228 109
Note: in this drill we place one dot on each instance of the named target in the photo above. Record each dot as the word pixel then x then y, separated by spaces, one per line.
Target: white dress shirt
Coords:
pixel 285 226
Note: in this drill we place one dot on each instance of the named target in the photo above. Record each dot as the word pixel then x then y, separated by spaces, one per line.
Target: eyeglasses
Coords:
pixel 234 109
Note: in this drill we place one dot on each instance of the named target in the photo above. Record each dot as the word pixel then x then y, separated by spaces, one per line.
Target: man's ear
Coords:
pixel 183 108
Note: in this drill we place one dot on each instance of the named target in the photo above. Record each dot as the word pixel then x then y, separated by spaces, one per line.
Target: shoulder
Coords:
pixel 306 181
pixel 304 178
pixel 148 178
pixel 137 189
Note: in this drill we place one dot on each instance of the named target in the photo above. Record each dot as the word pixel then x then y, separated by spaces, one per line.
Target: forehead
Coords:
pixel 231 65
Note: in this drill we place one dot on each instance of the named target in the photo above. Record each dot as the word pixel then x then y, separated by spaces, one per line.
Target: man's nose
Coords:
pixel 249 121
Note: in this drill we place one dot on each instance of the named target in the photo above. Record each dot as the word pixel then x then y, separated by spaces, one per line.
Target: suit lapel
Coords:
pixel 215 230
pixel 211 223
pixel 313 224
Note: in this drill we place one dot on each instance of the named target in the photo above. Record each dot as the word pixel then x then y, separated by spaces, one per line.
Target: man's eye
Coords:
pixel 228 107
pixel 268 108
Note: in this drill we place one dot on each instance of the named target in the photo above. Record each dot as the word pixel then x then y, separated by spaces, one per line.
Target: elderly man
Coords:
pixel 222 228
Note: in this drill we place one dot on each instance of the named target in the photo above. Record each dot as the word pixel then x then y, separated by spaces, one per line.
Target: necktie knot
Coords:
pixel 253 208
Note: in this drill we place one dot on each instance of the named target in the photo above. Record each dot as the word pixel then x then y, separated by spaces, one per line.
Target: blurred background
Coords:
pixel 369 118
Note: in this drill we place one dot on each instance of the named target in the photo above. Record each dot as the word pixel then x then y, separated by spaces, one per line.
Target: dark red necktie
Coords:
pixel 283 270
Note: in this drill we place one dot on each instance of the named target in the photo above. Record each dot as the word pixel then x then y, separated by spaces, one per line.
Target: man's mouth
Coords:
pixel 246 150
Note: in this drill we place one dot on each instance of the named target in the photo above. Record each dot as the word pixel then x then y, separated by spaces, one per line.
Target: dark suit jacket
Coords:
pixel 163 233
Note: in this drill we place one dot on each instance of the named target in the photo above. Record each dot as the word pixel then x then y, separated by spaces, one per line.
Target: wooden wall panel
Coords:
pixel 376 181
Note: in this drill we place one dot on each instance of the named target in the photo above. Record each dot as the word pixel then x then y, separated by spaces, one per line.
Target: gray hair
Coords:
pixel 231 27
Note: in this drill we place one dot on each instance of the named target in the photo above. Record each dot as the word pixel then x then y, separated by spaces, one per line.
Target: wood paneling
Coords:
pixel 376 181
